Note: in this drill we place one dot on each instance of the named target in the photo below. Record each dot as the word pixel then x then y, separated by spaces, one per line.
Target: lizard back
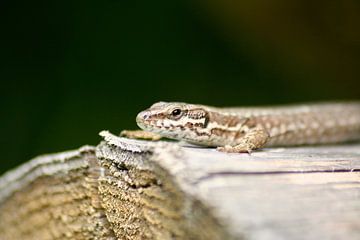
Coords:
pixel 304 124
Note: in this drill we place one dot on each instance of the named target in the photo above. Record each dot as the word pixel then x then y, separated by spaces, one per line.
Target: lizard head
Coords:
pixel 174 120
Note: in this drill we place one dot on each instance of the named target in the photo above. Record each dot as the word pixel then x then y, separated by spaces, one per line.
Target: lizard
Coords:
pixel 244 129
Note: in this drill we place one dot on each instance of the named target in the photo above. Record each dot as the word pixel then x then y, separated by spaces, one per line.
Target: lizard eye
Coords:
pixel 176 112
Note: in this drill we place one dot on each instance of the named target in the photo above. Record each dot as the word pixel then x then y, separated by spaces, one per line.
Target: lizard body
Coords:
pixel 245 129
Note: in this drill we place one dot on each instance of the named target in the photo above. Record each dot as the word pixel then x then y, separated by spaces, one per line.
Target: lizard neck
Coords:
pixel 221 129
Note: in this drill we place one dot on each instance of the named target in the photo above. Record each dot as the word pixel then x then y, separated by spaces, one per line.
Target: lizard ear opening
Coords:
pixel 199 114
pixel 206 121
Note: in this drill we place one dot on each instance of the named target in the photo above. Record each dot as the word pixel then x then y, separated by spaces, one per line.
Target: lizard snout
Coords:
pixel 143 116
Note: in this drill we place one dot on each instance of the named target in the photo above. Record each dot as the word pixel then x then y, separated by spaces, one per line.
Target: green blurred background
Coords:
pixel 70 69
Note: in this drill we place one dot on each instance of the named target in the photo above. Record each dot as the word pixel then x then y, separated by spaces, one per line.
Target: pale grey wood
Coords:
pixel 54 197
pixel 132 189
pixel 46 165
pixel 278 193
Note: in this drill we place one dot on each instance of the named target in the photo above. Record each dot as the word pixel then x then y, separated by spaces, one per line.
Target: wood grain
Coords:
pixel 130 189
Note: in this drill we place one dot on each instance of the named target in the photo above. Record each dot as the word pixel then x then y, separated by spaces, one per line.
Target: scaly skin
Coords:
pixel 246 129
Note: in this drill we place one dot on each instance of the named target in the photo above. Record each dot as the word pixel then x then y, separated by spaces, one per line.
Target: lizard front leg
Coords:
pixel 254 139
pixel 140 134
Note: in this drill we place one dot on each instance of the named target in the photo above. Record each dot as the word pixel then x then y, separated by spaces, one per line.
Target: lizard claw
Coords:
pixel 234 149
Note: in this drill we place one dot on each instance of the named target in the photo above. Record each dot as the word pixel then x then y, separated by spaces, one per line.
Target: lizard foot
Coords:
pixel 139 134
pixel 235 149
pixel 254 139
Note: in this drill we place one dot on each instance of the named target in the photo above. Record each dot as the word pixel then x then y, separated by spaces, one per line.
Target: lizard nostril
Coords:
pixel 145 115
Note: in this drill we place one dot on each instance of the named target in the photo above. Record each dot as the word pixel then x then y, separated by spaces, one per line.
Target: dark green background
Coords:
pixel 70 69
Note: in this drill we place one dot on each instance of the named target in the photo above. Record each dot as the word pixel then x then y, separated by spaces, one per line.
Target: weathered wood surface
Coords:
pixel 54 197
pixel 130 189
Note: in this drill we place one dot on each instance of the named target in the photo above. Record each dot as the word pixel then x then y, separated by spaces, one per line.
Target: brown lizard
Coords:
pixel 248 128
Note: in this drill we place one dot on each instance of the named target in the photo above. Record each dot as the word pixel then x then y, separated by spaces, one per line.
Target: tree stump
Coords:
pixel 132 189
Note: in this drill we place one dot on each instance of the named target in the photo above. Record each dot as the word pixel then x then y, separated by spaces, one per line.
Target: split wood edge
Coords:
pixel 116 190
